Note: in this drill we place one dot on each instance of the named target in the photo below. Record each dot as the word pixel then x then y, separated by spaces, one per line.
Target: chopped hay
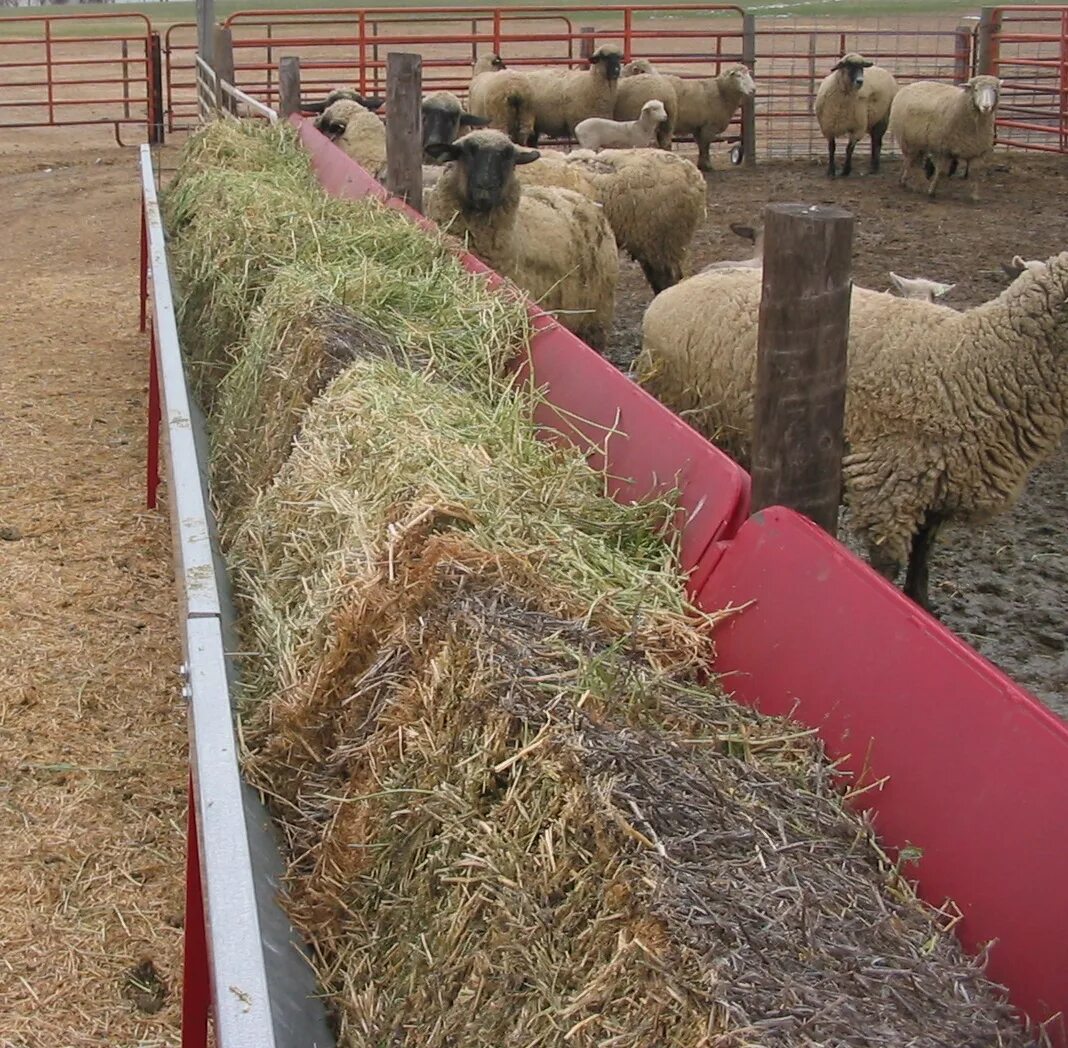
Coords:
pixel 517 812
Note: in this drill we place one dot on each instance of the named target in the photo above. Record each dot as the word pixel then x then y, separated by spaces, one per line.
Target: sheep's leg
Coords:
pixel 916 578
pixel 830 158
pixel 933 184
pixel 975 187
pixel 664 135
pixel 704 144
pixel 847 167
pixel 877 133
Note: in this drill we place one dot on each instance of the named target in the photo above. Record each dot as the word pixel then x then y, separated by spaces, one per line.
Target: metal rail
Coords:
pixel 243 962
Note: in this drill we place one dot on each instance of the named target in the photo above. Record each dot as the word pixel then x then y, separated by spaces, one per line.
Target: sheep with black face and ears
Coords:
pixel 553 243
pixel 854 100
pixel 354 128
pixel 341 94
pixel 561 99
pixel 942 125
pixel 445 119
pixel 946 412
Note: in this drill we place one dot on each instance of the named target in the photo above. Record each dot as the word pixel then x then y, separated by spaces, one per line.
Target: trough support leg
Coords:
pixel 196 990
pixel 154 418
pixel 144 265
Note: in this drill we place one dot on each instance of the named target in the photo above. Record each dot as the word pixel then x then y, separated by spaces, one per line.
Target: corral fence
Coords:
pixel 81 69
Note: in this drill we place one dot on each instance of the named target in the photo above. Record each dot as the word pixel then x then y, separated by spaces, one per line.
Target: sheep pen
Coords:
pixel 516 811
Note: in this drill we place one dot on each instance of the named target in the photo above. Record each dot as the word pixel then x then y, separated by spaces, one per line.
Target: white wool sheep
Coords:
pixel 853 101
pixel 945 123
pixel 920 288
pixel 553 243
pixel 654 201
pixel 640 84
pixel 356 130
pixel 503 97
pixel 598 133
pixel 946 412
pixel 444 119
pixel 563 98
pixel 704 108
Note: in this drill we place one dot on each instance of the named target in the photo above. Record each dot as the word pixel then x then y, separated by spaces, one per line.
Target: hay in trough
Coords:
pixel 517 812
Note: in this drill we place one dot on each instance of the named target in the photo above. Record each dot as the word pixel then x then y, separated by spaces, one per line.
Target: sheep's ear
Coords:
pixel 372 103
pixel 837 66
pixel 898 282
pixel 442 150
pixel 866 64
pixel 943 289
pixel 745 232
pixel 313 107
pixel 330 127
pixel 470 120
pixel 526 156
pixel 1015 267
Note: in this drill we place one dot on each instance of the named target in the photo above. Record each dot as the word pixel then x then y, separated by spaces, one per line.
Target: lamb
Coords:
pixel 444 119
pixel 946 124
pixel 654 201
pixel 503 97
pixel 597 133
pixel 706 107
pixel 356 130
pixel 563 98
pixel 555 244
pixel 946 412
pixel 638 85
pixel 920 288
pixel 852 101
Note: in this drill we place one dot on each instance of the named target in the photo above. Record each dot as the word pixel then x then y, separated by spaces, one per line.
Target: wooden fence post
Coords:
pixel 587 42
pixel 963 51
pixel 288 86
pixel 989 28
pixel 404 127
pixel 223 50
pixel 799 403
pixel 749 105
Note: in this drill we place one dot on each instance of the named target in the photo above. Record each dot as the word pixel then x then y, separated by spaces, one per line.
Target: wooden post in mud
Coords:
pixel 587 42
pixel 288 86
pixel 799 405
pixel 404 127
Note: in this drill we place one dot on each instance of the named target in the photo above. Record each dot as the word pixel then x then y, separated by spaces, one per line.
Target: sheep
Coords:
pixel 563 98
pixel 654 201
pixel 946 412
pixel 946 124
pixel 852 101
pixel 597 133
pixel 638 85
pixel 555 244
pixel 341 94
pixel 444 119
pixel 356 130
pixel 705 107
pixel 920 288
pixel 503 97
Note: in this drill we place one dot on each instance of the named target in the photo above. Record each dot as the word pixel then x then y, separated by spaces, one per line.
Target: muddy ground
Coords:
pixel 1003 586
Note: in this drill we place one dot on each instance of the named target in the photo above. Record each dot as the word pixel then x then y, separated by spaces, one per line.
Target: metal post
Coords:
pixel 288 86
pixel 154 418
pixel 799 403
pixel 749 105
pixel 125 80
pixel 196 985
pixel 404 127
pixel 144 266
pixel 224 67
pixel 155 89
pixel 989 28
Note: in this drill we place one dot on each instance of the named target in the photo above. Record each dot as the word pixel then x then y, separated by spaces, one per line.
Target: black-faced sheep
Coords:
pixel 946 412
pixel 562 98
pixel 503 97
pixel 341 94
pixel 853 101
pixel 553 243
pixel 945 124
pixel 355 129
pixel 706 107
pixel 598 133
pixel 444 119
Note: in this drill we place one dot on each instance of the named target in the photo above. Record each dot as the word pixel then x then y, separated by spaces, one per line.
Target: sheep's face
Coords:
pixel 985 92
pixel 920 288
pixel 444 119
pixel 489 64
pixel 485 162
pixel 851 71
pixel 609 60
pixel 741 80
pixel 654 110
pixel 335 120
pixel 639 67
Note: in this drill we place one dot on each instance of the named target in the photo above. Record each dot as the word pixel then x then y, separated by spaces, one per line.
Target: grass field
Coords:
pixel 166 13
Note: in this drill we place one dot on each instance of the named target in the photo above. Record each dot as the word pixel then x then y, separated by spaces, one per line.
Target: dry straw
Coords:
pixel 516 811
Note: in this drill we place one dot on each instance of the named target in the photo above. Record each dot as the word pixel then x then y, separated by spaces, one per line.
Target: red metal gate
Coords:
pixel 1028 48
pixel 59 70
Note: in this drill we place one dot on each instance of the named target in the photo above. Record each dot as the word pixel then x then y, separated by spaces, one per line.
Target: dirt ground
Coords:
pixel 1003 586
pixel 92 732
